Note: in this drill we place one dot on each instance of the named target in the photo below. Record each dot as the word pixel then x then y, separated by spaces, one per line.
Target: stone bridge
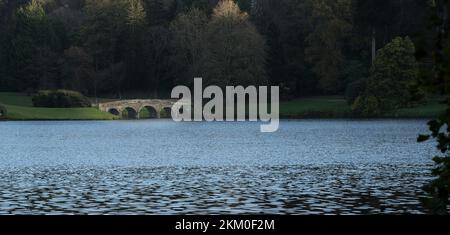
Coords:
pixel 134 107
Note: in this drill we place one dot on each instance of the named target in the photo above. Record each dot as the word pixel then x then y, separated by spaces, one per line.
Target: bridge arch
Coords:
pixel 114 111
pixel 166 112
pixel 130 113
pixel 149 112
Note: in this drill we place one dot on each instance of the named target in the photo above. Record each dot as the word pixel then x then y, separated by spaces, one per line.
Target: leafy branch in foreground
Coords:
pixel 438 81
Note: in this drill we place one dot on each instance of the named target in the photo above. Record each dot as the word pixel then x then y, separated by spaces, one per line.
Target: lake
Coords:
pixel 163 167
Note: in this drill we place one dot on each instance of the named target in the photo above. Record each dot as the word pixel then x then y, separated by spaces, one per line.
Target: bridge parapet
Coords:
pixel 137 105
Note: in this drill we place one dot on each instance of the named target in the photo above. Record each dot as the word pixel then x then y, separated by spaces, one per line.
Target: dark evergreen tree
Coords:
pixel 156 12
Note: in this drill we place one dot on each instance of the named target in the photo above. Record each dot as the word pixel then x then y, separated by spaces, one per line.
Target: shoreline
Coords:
pixel 281 118
pixel 19 108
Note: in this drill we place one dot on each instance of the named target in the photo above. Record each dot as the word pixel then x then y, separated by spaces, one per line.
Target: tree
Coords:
pixel 285 26
pixel 69 21
pixel 379 21
pixel 80 71
pixel 393 73
pixel 190 45
pixel 103 30
pixel 133 50
pixel 437 80
pixel 156 12
pixel 305 47
pixel 355 74
pixel 3 83
pixel 204 5
pixel 43 70
pixel 259 7
pixel 29 37
pixel 366 106
pixel 373 17
pixel 110 80
pixel 159 67
pixel 136 13
pixel 236 51
pixel 330 23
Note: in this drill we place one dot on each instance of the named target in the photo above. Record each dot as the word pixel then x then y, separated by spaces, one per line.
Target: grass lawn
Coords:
pixel 429 108
pixel 19 107
pixel 314 107
pixel 337 107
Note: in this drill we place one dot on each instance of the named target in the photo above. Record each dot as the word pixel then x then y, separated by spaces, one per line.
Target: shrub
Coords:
pixel 366 106
pixel 3 111
pixel 60 99
pixel 393 74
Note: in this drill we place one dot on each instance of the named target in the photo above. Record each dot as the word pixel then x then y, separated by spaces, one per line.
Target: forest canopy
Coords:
pixel 113 47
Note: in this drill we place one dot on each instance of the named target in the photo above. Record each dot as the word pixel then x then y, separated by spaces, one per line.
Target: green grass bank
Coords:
pixel 338 107
pixel 19 107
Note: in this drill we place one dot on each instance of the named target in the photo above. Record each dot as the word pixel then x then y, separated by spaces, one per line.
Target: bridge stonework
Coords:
pixel 136 105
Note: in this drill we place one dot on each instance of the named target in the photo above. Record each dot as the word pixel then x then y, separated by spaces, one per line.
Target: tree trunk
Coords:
pixel 374 45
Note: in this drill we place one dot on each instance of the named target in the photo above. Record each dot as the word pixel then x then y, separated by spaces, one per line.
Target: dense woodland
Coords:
pixel 364 49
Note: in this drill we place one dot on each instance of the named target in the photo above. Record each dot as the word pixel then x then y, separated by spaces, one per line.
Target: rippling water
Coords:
pixel 162 167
